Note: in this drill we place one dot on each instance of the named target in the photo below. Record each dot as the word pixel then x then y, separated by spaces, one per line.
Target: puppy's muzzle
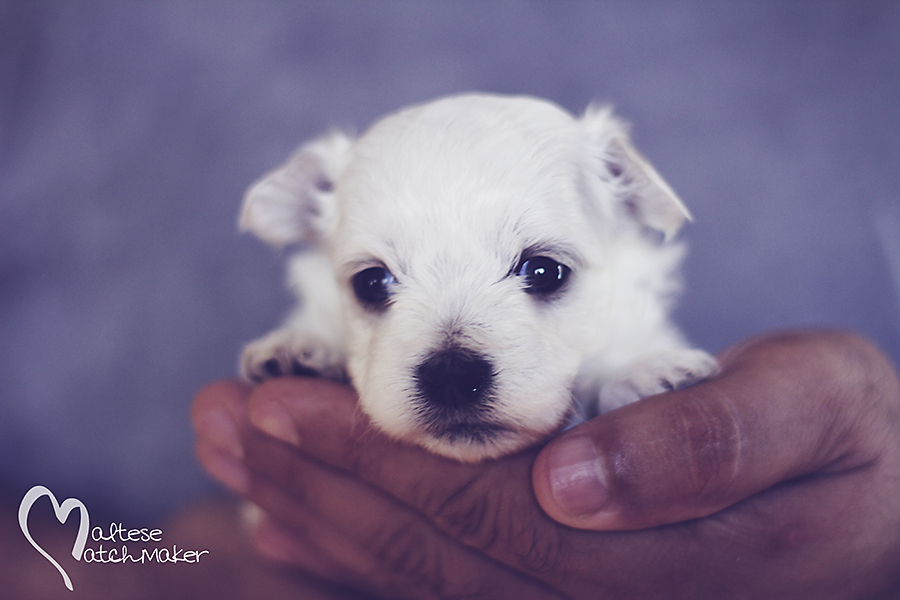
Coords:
pixel 455 388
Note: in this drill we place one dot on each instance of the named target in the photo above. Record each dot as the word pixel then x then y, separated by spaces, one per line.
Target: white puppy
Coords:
pixel 482 268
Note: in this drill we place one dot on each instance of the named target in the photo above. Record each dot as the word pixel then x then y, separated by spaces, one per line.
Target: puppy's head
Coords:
pixel 471 237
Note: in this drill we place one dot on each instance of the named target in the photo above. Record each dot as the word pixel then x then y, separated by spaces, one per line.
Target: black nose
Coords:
pixel 455 379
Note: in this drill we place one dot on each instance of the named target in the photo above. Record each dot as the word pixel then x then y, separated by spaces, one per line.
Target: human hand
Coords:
pixel 780 478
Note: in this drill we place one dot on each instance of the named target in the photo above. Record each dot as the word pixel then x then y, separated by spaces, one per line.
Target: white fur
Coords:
pixel 448 196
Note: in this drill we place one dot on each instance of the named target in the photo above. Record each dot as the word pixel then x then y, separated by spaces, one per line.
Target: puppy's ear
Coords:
pixel 636 184
pixel 295 202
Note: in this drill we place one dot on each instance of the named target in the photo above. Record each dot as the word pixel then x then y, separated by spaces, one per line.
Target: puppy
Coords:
pixel 483 269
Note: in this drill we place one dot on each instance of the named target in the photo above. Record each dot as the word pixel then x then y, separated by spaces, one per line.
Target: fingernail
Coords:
pixel 273 419
pixel 219 429
pixel 228 471
pixel 577 481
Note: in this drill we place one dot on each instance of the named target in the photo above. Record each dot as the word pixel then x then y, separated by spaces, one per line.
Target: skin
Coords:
pixel 779 478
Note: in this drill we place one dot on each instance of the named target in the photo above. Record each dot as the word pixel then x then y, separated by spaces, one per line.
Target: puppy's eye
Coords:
pixel 373 286
pixel 542 275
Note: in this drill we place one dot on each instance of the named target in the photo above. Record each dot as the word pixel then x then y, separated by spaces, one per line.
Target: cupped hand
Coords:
pixel 779 478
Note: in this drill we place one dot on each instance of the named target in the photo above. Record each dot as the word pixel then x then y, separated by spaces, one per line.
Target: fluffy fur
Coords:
pixel 464 207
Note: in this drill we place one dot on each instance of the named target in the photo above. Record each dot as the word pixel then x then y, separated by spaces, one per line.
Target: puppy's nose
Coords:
pixel 455 378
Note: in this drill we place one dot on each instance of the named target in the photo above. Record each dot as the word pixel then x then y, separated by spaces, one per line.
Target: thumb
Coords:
pixel 784 406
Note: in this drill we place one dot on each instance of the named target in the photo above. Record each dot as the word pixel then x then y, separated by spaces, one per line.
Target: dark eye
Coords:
pixel 542 275
pixel 373 286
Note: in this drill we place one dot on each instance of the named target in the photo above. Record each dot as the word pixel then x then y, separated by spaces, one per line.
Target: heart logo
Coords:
pixel 62 514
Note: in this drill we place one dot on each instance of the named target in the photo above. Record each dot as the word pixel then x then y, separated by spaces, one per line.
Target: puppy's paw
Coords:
pixel 290 352
pixel 661 373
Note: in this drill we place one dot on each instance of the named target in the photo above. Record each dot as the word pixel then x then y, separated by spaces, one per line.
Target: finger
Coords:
pixel 362 536
pixel 220 419
pixel 291 532
pixel 280 544
pixel 219 416
pixel 223 466
pixel 778 411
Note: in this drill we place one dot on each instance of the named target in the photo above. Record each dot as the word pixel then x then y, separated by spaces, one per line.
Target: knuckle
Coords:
pixel 539 550
pixel 494 519
pixel 864 403
pixel 406 556
pixel 467 513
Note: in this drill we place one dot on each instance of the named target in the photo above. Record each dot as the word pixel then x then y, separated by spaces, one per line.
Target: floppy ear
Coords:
pixel 295 202
pixel 640 189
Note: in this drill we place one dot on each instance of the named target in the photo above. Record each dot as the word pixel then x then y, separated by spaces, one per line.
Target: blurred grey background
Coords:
pixel 129 130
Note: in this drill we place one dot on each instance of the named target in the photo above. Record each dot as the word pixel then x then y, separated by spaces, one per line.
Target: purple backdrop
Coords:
pixel 128 131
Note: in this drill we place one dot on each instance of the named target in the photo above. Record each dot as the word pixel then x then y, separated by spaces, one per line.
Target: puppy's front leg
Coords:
pixel 311 341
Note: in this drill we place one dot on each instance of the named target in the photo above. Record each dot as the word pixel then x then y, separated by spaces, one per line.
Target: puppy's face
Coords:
pixel 461 246
pixel 470 240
